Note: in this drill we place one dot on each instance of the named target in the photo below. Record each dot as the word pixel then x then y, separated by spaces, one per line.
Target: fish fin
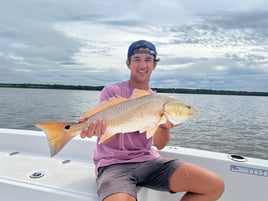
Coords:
pixel 163 120
pixel 105 137
pixel 105 105
pixel 137 93
pixel 151 131
pixel 57 134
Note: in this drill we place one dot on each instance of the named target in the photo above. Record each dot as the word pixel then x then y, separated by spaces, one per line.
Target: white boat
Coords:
pixel 28 173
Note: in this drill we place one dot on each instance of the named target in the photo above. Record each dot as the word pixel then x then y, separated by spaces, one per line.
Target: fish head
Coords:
pixel 177 112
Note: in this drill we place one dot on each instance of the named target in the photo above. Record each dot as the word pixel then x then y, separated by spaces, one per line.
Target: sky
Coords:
pixel 208 44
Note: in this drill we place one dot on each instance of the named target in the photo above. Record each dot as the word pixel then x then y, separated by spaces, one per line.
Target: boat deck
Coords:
pixel 52 176
pixel 42 178
pixel 28 173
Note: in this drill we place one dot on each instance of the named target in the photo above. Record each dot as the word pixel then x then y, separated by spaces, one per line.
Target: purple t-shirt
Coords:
pixel 127 147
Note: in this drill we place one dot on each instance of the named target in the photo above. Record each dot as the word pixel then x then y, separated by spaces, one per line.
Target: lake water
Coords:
pixel 229 124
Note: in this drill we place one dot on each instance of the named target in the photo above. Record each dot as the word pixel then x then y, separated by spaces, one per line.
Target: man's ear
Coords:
pixel 128 63
pixel 155 64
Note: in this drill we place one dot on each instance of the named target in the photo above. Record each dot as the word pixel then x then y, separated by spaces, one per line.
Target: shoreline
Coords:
pixel 160 90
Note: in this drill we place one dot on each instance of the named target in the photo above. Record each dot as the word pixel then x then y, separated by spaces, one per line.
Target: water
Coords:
pixel 229 124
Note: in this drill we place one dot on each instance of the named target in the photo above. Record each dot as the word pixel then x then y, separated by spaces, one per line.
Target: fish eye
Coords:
pixel 67 127
pixel 188 106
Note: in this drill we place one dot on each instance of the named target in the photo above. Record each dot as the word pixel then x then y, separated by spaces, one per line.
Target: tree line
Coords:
pixel 160 90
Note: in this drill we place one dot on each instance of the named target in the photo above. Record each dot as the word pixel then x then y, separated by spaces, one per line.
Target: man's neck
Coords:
pixel 135 85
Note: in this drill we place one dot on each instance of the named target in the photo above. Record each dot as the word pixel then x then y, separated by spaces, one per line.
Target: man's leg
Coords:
pixel 199 183
pixel 116 182
pixel 120 197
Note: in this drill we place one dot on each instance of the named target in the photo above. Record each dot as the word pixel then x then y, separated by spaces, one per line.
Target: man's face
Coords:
pixel 141 66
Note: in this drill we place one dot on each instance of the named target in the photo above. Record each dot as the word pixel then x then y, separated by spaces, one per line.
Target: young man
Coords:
pixel 128 160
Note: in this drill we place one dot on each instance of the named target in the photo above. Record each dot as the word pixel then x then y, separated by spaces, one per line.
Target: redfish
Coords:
pixel 143 112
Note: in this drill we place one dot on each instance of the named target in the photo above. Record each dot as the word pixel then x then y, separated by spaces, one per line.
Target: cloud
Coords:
pixel 207 44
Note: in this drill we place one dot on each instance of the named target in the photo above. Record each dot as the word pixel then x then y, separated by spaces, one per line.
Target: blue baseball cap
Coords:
pixel 134 48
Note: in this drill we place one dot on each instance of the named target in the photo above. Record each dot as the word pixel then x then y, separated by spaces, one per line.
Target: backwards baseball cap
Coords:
pixel 134 48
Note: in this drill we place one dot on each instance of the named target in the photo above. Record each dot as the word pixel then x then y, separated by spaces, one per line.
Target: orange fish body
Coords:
pixel 142 112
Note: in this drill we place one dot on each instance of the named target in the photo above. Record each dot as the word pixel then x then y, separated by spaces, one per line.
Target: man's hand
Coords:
pixel 96 128
pixel 167 125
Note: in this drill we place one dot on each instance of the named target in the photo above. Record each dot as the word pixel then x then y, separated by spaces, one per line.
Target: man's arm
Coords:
pixel 162 135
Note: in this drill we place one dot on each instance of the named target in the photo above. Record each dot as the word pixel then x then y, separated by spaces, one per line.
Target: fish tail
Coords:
pixel 58 134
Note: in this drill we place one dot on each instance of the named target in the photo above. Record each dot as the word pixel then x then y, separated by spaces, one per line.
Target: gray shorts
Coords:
pixel 124 178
